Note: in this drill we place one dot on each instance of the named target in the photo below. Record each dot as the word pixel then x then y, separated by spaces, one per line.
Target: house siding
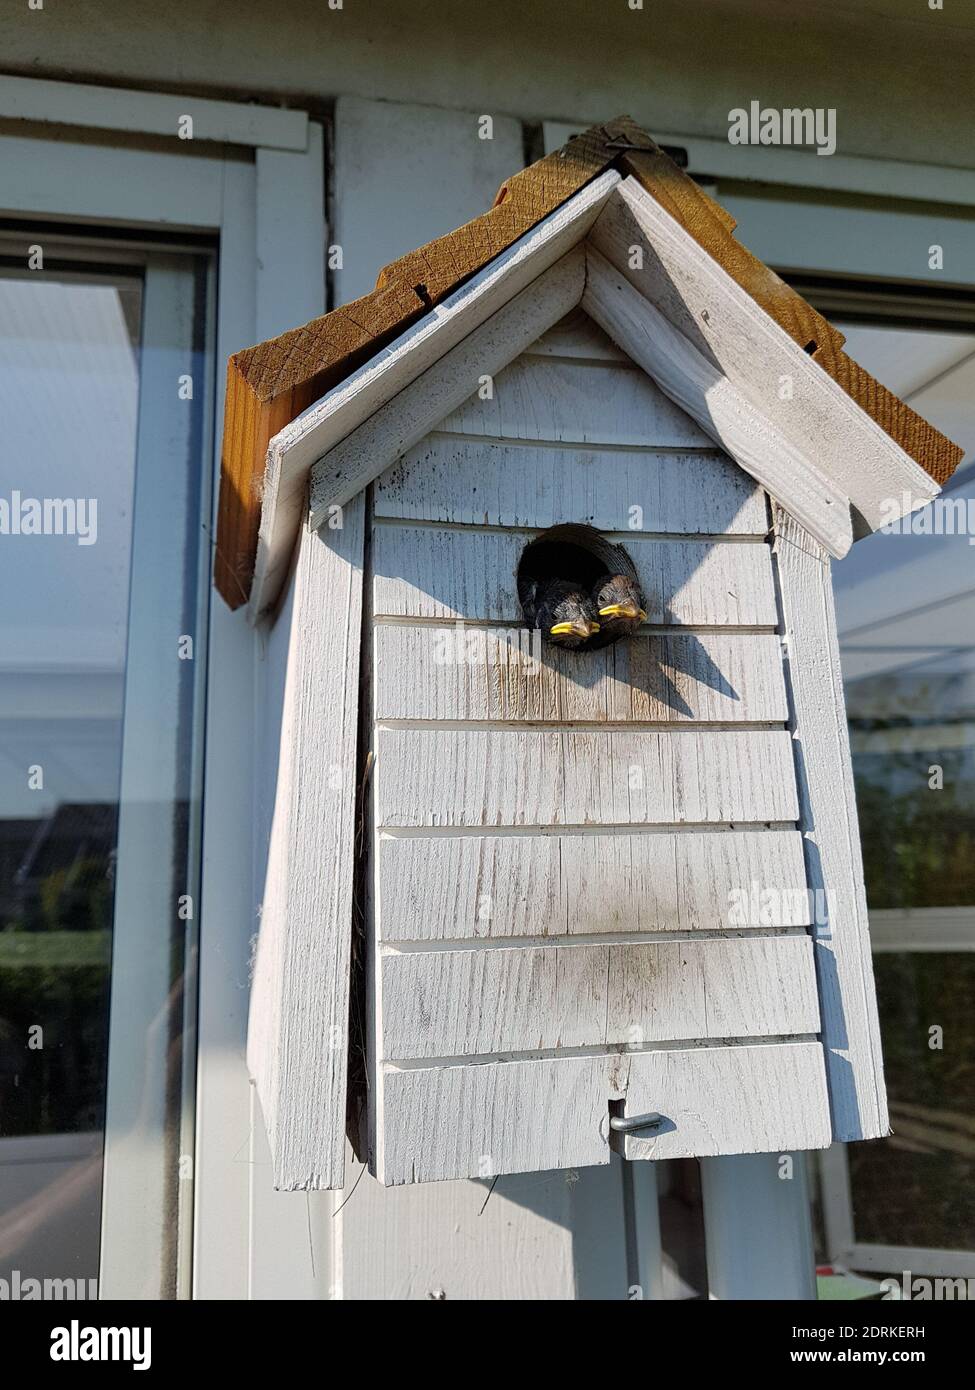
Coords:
pixel 634 763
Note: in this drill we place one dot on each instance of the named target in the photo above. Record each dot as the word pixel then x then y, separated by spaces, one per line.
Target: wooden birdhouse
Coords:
pixel 526 904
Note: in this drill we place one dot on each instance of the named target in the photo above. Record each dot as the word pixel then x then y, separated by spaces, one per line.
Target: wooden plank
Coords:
pixel 508 674
pixel 851 1031
pixel 504 1117
pixel 577 336
pixel 723 1100
pixel 749 879
pixel 440 888
pixel 350 403
pixel 751 987
pixel 468 1002
pixel 522 999
pixel 853 443
pixel 496 886
pixel 522 1116
pixel 403 421
pixel 576 403
pixel 425 572
pixel 474 481
pixel 698 384
pixel 535 777
pixel 298 1032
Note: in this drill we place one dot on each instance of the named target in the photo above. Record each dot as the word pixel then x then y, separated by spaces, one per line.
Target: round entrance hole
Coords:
pixel 579 589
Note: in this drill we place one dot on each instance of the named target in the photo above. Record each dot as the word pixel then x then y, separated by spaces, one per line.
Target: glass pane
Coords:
pixel 74 348
pixel 916 1187
pixel 906 613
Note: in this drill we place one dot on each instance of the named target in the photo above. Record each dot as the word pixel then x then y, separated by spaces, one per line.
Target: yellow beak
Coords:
pixel 623 610
pixel 579 628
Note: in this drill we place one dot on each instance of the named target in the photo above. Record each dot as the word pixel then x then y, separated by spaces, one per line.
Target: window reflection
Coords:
pixel 906 616
pixel 69 400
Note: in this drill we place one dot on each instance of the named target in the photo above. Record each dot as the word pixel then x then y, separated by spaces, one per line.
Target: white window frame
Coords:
pixel 257 185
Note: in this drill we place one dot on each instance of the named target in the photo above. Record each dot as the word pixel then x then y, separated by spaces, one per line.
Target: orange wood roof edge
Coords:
pixel 269 384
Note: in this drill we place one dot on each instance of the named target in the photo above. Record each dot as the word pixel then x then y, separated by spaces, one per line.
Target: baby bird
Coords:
pixel 618 604
pixel 565 614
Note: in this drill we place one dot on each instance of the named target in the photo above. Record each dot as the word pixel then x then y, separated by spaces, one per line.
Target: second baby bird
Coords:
pixel 618 604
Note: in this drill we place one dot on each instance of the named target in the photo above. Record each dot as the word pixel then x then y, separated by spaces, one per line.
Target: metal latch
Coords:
pixel 626 1124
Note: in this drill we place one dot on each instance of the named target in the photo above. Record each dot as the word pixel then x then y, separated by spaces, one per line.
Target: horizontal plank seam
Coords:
pixel 581 446
pixel 612 828
pixel 623 537
pixel 558 941
pixel 675 629
pixel 618 364
pixel 587 726
pixel 476 1059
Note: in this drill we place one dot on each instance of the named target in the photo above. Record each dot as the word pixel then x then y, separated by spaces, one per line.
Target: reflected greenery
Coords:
pixel 55 950
pixel 918 1187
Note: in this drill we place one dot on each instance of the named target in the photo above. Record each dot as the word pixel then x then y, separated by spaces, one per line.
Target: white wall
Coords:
pixel 898 73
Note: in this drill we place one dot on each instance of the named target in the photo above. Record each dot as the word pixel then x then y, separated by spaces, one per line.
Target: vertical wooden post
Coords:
pixel 758 1227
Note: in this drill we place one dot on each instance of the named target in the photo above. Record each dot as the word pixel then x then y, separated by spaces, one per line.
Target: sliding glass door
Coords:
pixel 906 618
pixel 906 613
pixel 106 399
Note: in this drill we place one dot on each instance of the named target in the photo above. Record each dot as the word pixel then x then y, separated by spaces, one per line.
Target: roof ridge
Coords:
pixel 271 383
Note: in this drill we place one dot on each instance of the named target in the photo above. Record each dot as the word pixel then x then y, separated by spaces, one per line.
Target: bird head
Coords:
pixel 618 602
pixel 567 619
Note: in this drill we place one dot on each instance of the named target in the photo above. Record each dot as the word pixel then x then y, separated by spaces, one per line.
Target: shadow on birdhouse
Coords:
pixel 578 589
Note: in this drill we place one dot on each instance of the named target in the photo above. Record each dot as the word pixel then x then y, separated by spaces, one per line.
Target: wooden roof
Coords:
pixel 270 384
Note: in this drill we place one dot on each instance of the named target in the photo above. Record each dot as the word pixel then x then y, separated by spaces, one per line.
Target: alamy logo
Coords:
pixel 759 905
pixel 913 516
pixel 49 516
pixel 78 1343
pixel 21 1288
pixel 793 125
pixel 913 1288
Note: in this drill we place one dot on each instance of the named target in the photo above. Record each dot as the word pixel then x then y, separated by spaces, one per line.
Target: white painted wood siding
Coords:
pixel 747 1099
pixel 679 491
pixel 632 804
pixel 297 1041
pixel 432 572
pixel 508 675
pixel 452 887
pixel 474 777
pixel 828 817
pixel 470 1002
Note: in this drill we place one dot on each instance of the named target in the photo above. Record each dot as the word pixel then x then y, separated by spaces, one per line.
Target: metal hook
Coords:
pixel 626 1124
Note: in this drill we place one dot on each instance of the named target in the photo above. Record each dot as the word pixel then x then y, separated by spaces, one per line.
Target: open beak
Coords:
pixel 578 628
pixel 623 610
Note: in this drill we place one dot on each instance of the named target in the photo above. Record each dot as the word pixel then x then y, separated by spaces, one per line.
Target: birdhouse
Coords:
pixel 549 881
